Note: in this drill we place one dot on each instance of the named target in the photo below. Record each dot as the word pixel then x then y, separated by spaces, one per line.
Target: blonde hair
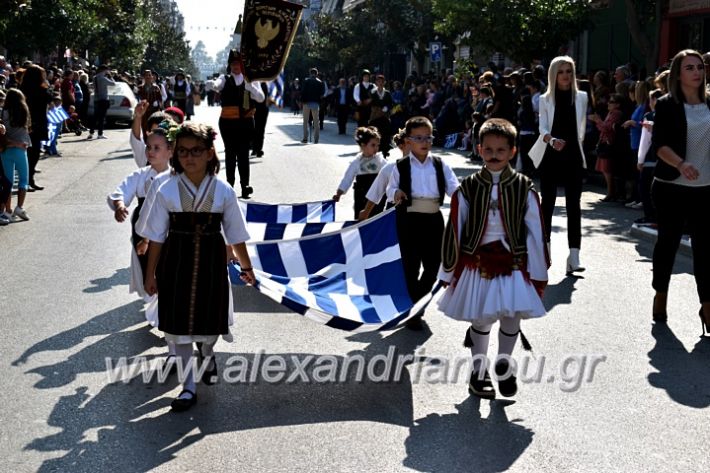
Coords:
pixel 552 77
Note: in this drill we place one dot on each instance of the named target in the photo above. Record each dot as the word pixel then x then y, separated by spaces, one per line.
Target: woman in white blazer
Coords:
pixel 559 154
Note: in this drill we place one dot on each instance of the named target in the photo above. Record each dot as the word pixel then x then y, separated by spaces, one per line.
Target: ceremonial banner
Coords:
pixel 309 212
pixel 352 279
pixel 267 34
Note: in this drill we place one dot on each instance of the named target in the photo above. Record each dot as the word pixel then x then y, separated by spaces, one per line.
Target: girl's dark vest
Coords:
pixel 180 91
pixel 404 166
pixel 365 92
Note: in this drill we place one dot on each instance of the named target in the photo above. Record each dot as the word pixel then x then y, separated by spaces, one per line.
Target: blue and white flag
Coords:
pixel 451 140
pixel 276 90
pixel 288 231
pixel 57 115
pixel 309 212
pixel 352 279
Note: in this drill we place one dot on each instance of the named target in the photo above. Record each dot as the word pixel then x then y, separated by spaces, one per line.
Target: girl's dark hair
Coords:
pixel 366 133
pixel 398 139
pixel 674 77
pixel 204 133
pixel 417 122
pixel 33 79
pixel 16 107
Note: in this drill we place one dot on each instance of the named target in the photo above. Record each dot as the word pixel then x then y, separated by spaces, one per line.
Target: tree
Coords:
pixel 522 30
pixel 639 14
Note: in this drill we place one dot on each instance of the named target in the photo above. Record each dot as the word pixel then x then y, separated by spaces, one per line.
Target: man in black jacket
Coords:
pixel 310 96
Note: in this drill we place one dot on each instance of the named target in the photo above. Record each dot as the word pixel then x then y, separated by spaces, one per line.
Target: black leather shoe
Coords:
pixel 508 386
pixel 482 388
pixel 659 317
pixel 260 154
pixel 182 404
pixel 36 187
pixel 247 191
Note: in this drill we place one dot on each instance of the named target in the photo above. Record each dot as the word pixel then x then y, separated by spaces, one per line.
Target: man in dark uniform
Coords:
pixel 236 122
pixel 262 114
pixel 362 94
pixel 342 99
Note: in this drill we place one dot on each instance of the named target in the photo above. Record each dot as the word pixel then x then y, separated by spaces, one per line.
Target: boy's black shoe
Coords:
pixel 507 386
pixel 481 387
pixel 182 404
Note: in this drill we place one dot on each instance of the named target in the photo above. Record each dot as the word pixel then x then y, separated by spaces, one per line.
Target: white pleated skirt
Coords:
pixel 484 301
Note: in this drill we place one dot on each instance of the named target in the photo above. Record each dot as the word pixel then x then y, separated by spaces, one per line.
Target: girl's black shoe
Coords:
pixel 182 404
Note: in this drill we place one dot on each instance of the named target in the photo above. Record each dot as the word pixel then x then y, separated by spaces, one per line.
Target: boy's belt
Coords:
pixel 234 112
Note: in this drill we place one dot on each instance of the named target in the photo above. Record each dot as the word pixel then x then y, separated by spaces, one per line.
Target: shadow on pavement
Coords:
pixel 464 441
pixel 683 375
pixel 119 429
pixel 121 277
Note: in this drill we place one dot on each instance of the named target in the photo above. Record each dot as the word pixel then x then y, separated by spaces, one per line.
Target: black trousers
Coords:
pixel 262 114
pixel 526 143
pixel 236 135
pixel 100 109
pixel 33 153
pixel 343 111
pixel 680 208
pixel 645 183
pixel 563 169
pixel 420 237
pixel 363 115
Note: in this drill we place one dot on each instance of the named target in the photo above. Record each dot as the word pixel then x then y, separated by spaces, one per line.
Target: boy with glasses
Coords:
pixel 417 186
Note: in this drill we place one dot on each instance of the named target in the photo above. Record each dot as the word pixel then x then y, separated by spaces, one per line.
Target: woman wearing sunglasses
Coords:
pixel 559 151
pixel 681 187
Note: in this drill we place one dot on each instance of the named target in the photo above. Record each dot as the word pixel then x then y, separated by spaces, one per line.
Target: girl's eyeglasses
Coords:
pixel 195 152
pixel 421 138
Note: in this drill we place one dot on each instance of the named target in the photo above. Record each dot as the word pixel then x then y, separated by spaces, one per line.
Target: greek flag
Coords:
pixel 309 212
pixel 276 90
pixel 287 231
pixel 57 115
pixel 351 279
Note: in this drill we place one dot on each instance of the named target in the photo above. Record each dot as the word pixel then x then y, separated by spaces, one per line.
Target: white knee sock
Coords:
pixel 508 335
pixel 171 348
pixel 480 336
pixel 184 353
pixel 208 353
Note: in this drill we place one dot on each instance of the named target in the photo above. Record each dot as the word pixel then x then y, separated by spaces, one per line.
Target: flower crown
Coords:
pixel 171 129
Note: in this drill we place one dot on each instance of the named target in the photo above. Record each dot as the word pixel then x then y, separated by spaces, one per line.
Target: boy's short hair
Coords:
pixel 417 122
pixel 498 127
pixel 156 117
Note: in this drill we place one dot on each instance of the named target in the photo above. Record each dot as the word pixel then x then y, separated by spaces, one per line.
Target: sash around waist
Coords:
pixel 424 206
pixel 232 112
pixel 202 223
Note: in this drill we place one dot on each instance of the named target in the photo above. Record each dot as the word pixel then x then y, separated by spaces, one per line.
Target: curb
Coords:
pixel 651 234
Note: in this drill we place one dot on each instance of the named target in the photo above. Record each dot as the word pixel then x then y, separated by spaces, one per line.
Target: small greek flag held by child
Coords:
pixel 351 279
pixel 309 212
pixel 57 115
pixel 451 140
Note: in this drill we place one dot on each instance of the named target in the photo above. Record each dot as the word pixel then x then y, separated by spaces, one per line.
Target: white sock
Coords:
pixel 480 336
pixel 171 348
pixel 508 335
pixel 184 353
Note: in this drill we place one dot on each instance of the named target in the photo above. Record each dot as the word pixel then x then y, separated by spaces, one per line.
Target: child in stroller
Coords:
pixel 73 123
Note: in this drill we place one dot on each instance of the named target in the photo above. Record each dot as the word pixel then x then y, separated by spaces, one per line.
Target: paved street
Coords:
pixel 65 309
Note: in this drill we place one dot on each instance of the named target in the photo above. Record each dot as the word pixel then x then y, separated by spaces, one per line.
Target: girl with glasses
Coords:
pixel 187 261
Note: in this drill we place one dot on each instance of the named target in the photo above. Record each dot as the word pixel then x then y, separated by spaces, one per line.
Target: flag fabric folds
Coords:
pixel 309 212
pixel 351 279
pixel 287 231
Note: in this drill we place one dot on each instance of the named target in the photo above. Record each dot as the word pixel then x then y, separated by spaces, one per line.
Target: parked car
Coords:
pixel 123 102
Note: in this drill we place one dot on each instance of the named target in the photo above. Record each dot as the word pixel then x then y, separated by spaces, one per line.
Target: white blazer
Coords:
pixel 547 115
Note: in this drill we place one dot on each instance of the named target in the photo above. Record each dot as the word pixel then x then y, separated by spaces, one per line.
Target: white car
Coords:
pixel 123 103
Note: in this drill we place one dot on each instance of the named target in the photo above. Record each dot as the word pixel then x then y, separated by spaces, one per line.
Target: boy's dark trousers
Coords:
pixel 343 111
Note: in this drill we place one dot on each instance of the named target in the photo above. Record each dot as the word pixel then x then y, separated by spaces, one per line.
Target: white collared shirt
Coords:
pixel 254 88
pixel 424 185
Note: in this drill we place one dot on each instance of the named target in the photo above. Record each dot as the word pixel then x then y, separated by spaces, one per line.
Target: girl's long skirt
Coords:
pixel 194 296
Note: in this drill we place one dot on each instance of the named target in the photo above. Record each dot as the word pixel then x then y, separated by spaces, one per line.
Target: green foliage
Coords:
pixel 522 30
pixel 364 36
pixel 126 33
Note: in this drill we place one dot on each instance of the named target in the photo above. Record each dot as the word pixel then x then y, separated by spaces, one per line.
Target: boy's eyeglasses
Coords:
pixel 195 152
pixel 421 138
